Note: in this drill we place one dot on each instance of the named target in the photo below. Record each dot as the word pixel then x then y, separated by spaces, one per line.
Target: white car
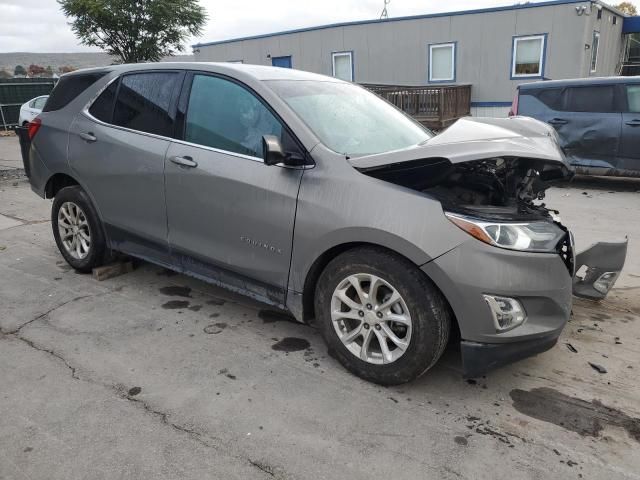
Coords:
pixel 32 109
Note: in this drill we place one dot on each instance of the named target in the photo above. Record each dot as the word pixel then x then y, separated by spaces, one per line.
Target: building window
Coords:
pixel 282 62
pixel 342 65
pixel 442 62
pixel 235 61
pixel 528 56
pixel 595 43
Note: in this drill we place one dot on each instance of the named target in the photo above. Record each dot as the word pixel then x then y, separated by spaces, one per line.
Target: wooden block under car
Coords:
pixel 112 270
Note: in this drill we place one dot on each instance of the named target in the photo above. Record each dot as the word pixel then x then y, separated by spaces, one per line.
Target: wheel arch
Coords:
pixel 60 180
pixel 57 182
pixel 320 263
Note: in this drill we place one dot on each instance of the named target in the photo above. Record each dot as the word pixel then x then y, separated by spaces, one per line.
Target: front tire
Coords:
pixel 380 316
pixel 77 229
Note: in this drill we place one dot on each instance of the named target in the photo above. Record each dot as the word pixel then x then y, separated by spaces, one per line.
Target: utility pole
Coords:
pixel 384 15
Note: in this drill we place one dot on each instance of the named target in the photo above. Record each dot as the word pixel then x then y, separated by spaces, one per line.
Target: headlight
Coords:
pixel 540 236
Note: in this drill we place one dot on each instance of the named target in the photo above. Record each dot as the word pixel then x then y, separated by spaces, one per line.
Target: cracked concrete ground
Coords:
pixel 156 375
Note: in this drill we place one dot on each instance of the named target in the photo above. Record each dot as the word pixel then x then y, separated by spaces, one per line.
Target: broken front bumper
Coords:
pixel 479 358
pixel 598 268
pixel 541 282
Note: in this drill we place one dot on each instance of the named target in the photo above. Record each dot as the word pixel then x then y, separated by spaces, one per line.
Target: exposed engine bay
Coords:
pixel 496 188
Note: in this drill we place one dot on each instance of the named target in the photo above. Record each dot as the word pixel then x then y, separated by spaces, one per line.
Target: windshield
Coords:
pixel 349 119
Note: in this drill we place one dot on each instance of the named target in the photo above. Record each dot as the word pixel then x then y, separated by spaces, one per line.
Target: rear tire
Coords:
pixel 77 229
pixel 405 319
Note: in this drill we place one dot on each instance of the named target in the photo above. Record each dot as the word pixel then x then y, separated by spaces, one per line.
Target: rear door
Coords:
pixel 117 148
pixel 590 125
pixel 231 216
pixel 630 143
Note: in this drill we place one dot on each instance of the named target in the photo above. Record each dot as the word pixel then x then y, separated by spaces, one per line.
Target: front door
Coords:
pixel 630 147
pixel 230 216
pixel 283 62
pixel 118 153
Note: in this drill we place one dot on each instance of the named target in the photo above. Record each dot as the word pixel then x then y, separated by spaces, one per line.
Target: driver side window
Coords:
pixel 224 115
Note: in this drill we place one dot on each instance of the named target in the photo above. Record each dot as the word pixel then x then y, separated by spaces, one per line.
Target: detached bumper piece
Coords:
pixel 479 358
pixel 598 268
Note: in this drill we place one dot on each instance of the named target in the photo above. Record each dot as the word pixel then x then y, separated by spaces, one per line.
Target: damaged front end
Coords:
pixel 490 175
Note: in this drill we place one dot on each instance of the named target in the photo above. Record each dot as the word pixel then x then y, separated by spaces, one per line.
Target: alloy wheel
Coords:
pixel 371 318
pixel 73 227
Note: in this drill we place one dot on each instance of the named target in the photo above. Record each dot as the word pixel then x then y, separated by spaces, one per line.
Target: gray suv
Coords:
pixel 316 196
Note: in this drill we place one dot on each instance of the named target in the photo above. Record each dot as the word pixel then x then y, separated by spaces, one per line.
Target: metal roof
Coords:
pixel 522 6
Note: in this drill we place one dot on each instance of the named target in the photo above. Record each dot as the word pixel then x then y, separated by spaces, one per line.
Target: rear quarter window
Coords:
pixel 552 98
pixel 68 88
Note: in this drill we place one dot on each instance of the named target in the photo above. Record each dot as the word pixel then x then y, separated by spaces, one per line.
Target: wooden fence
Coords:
pixel 434 106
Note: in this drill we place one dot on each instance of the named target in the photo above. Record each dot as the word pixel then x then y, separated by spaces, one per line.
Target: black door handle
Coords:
pixel 558 121
pixel 633 123
pixel 88 137
pixel 184 162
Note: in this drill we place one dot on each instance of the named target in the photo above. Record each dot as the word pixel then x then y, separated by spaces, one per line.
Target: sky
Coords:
pixel 40 26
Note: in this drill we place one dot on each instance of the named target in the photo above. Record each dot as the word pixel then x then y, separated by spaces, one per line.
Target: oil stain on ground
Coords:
pixel 272 316
pixel 291 344
pixel 580 416
pixel 175 304
pixel 176 291
pixel 215 301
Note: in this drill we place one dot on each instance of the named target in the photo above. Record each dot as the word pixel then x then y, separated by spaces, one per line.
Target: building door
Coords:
pixel 283 62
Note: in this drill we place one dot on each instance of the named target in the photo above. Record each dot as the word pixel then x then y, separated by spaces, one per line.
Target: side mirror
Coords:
pixel 272 151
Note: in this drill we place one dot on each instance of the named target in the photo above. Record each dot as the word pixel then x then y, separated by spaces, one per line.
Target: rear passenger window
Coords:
pixel 633 98
pixel 102 108
pixel 144 100
pixel 69 87
pixel 225 115
pixel 598 99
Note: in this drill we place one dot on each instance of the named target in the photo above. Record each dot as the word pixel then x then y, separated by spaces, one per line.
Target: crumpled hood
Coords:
pixel 472 138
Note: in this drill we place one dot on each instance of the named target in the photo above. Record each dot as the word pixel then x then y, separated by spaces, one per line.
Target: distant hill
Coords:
pixel 8 61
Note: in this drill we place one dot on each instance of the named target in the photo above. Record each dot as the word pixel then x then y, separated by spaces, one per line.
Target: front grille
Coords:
pixel 566 250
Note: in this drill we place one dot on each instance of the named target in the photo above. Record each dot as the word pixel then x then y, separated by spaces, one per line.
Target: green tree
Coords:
pixel 19 71
pixel 135 30
pixel 628 8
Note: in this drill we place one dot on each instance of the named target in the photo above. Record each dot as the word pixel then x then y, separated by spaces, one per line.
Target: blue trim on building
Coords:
pixel 397 19
pixel 631 25
pixel 455 62
pixel 491 104
pixel 353 62
pixel 545 42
